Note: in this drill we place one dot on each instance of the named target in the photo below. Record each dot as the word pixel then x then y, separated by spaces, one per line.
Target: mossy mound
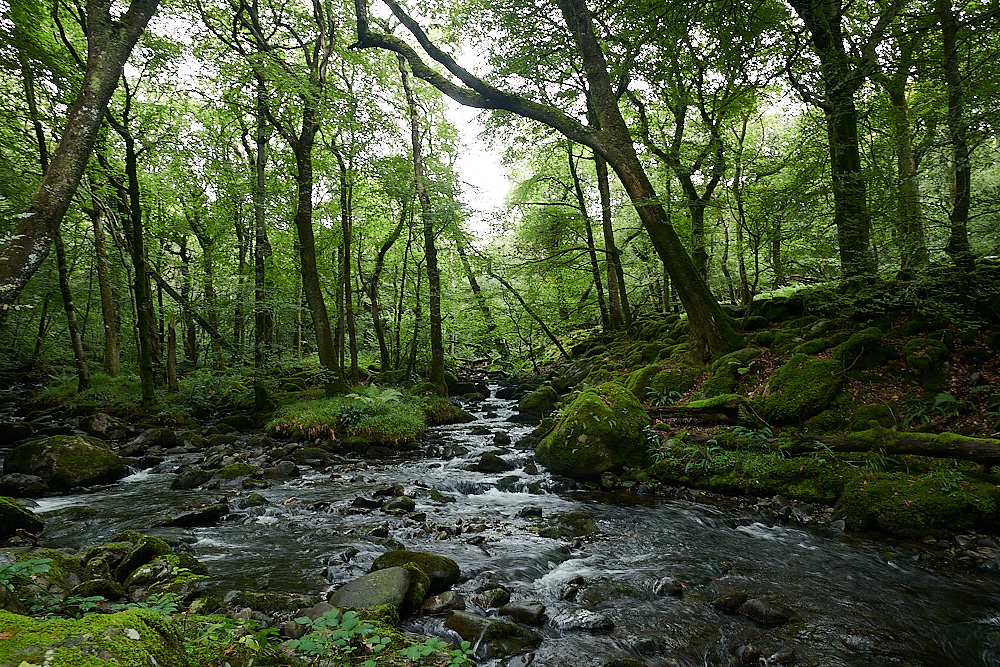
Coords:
pixel 133 638
pixel 361 420
pixel 939 502
pixel 540 402
pixel 439 411
pixel 234 470
pixel 66 461
pixel 601 431
pixel 803 387
pixel 14 516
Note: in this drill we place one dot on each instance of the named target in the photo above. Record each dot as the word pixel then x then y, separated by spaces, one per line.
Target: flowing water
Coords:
pixel 853 602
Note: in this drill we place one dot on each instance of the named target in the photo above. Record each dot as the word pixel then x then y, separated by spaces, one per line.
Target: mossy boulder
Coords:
pixel 940 502
pixel 238 469
pixel 679 378
pixel 602 431
pixel 439 411
pixel 539 402
pixel 66 461
pixel 496 638
pixel 924 354
pixel 14 515
pixel 639 381
pixel 442 572
pixel 803 387
pixel 133 638
pixel 726 371
pixel 387 586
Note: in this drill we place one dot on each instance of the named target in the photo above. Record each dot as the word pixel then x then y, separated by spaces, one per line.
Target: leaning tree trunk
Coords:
pixel 581 203
pixel 109 43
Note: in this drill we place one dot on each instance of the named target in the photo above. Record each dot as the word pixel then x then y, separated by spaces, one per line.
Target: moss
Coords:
pixel 439 411
pixel 442 572
pixel 638 381
pixel 864 415
pixel 923 354
pixel 601 431
pixel 679 378
pixel 900 504
pixel 145 550
pixel 716 401
pixel 14 516
pixel 133 638
pixel 238 469
pixel 66 461
pixel 803 387
pixel 420 586
pixel 726 371
pixel 540 402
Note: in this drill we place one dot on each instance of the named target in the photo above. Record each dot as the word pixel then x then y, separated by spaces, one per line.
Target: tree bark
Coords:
pixel 109 43
pixel 373 290
pixel 581 203
pixel 109 311
pixel 347 229
pixel 263 329
pixel 436 374
pixel 484 307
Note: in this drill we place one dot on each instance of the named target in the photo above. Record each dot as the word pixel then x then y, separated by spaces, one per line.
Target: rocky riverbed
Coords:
pixel 580 574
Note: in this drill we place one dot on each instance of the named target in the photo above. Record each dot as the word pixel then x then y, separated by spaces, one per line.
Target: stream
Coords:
pixel 853 601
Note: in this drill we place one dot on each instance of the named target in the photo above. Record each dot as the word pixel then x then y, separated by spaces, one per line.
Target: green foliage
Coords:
pixel 165 604
pixel 943 404
pixel 25 569
pixel 223 640
pixel 750 433
pixel 372 415
pixel 340 639
pixel 456 656
pixel 663 396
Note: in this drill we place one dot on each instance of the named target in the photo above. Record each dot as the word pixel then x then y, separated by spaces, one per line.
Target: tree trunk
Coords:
pixel 109 311
pixel 263 328
pixel 436 375
pixel 82 373
pixel 618 307
pixel 477 293
pixel 823 20
pixel 109 43
pixel 347 228
pixel 373 290
pixel 581 203
pixel 958 240
pixel 172 355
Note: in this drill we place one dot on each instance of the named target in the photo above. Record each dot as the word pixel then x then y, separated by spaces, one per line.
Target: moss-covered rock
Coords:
pixel 66 461
pixel 133 638
pixel 943 501
pixel 497 638
pixel 442 571
pixel 639 381
pixel 602 431
pixel 14 516
pixel 539 402
pixel 440 411
pixel 726 371
pixel 803 387
pixel 924 354
pixel 234 470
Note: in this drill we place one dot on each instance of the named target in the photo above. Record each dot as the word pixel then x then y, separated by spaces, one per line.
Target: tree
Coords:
pixel 109 44
pixel 712 331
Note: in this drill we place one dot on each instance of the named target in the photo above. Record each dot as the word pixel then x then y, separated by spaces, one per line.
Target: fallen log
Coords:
pixel 985 451
pixel 732 411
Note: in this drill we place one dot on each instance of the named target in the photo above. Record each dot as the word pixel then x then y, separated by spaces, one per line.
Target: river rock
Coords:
pixel 569 524
pixel 66 461
pixel 668 586
pixel 496 638
pixel 765 613
pixel 399 504
pixel 538 403
pixel 203 516
pixel 14 516
pixel 282 470
pixel 730 602
pixel 492 598
pixel 189 479
pixel 385 586
pixel 162 438
pixel 442 571
pixel 602 431
pixel 528 613
pixel 501 439
pixel 443 602
pixel 583 620
pixel 106 427
pixel 12 603
pixel 22 486
pixel 491 462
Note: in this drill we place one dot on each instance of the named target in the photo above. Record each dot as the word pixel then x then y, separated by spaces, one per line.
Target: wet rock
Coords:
pixel 530 511
pixel 582 620
pixel 609 481
pixel 439 497
pixel 253 500
pixel 106 427
pixel 443 602
pixel 491 462
pixel 163 438
pixel 748 654
pixel 366 503
pixel 569 524
pixel 203 516
pixel 782 657
pixel 501 439
pixel 763 612
pixel 442 571
pixel 144 549
pixel 106 588
pixel 449 452
pixel 189 479
pixel 389 490
pixel 730 602
pixel 626 662
pixel 527 613
pixel 497 638
pixel 493 598
pixel 384 586
pixel 403 504
pixel 66 461
pixel 20 485
pixel 668 586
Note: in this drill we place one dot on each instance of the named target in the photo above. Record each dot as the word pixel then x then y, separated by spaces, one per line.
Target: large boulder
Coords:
pixel 496 638
pixel 66 461
pixel 133 638
pixel 539 403
pixel 602 431
pixel 802 388
pixel 14 516
pixel 388 586
pixel 442 571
